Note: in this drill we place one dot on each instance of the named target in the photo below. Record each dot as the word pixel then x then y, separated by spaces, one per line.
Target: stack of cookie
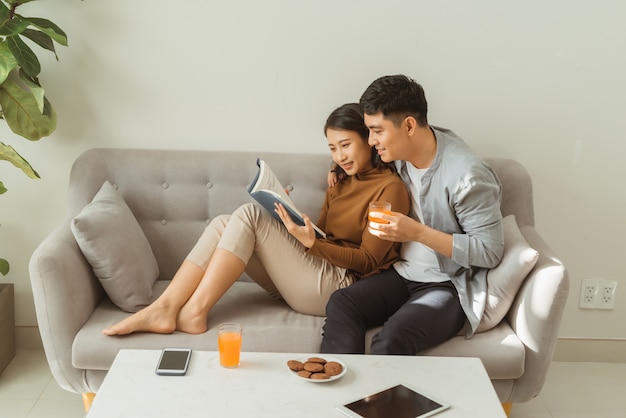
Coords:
pixel 315 368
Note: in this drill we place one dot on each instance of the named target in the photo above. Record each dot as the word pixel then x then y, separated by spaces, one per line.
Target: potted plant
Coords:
pixel 23 103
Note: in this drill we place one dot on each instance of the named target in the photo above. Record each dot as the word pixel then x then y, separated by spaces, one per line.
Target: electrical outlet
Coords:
pixel 607 289
pixel 588 293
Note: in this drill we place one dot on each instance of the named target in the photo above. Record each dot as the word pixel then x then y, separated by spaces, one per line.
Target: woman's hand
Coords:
pixel 305 234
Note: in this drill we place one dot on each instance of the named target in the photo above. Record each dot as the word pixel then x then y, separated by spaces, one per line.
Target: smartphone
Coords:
pixel 173 361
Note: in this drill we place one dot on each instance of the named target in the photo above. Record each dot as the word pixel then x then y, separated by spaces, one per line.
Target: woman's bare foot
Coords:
pixel 191 320
pixel 150 319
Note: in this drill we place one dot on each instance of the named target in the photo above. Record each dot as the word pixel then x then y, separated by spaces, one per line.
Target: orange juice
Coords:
pixel 229 344
pixel 378 206
pixel 374 219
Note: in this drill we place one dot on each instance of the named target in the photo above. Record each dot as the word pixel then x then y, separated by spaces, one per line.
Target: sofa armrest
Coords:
pixel 65 293
pixel 536 314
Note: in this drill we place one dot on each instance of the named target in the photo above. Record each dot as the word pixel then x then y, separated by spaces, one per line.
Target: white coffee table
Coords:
pixel 262 386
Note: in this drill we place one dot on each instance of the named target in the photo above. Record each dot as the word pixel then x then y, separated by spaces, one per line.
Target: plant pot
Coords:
pixel 7 325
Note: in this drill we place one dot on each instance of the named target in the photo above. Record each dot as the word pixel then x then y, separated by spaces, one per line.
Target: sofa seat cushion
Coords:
pixel 269 325
pixel 500 350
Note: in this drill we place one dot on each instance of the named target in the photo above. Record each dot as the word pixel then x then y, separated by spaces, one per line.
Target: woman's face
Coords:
pixel 349 151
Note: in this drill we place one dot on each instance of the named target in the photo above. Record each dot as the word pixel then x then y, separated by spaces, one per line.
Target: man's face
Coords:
pixel 385 136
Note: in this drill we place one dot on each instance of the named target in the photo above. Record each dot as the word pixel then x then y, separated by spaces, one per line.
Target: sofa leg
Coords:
pixel 88 399
pixel 507 408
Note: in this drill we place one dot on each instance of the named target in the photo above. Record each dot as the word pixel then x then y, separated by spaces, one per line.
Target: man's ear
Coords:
pixel 410 124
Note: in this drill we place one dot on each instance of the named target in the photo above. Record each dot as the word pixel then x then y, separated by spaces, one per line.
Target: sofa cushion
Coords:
pixel 500 350
pixel 504 281
pixel 116 248
pixel 269 325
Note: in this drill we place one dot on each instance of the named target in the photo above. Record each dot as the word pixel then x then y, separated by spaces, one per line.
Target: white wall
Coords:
pixel 541 82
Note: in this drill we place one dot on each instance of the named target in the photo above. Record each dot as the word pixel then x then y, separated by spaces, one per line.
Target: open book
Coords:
pixel 267 190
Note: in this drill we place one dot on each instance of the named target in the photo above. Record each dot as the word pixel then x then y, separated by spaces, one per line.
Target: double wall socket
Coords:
pixel 597 294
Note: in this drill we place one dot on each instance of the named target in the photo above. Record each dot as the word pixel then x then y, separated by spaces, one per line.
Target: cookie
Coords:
pixel 304 373
pixel 320 376
pixel 316 360
pixel 295 365
pixel 313 367
pixel 332 368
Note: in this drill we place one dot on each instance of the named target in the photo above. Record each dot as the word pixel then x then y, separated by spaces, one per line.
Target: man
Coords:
pixel 452 237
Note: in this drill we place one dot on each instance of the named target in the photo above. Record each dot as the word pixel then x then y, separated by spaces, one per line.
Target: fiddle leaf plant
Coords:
pixel 23 102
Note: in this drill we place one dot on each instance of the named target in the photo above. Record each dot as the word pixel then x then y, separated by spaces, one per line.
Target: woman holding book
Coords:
pixel 289 260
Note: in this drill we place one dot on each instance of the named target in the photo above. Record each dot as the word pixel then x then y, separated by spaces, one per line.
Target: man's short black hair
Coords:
pixel 396 97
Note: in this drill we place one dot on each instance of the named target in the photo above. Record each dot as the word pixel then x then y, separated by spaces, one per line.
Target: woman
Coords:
pixel 289 261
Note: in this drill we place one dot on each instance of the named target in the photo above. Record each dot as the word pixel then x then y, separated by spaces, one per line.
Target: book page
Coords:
pixel 268 181
pixel 266 189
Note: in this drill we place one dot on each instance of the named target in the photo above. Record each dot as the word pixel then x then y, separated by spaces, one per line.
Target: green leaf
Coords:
pixel 22 114
pixel 4 266
pixel 4 12
pixel 40 39
pixel 35 88
pixel 49 29
pixel 7 61
pixel 25 56
pixel 2 188
pixel 15 26
pixel 9 154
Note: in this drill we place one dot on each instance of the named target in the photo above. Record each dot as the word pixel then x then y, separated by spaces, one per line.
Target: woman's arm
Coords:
pixel 372 253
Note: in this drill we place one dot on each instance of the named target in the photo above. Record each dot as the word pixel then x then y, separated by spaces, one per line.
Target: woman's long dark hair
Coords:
pixel 349 117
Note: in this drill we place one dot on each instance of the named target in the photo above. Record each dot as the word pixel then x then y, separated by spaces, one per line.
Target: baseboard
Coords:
pixel 28 338
pixel 594 350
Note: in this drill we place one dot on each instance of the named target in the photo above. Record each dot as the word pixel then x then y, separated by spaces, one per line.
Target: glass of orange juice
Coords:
pixel 378 206
pixel 229 344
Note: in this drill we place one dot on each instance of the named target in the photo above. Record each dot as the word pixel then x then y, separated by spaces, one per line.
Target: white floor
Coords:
pixel 572 390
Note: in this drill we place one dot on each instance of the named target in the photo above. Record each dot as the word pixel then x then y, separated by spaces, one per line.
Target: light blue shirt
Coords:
pixel 460 195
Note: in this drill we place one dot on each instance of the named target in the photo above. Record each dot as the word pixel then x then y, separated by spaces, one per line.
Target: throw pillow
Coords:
pixel 504 281
pixel 117 249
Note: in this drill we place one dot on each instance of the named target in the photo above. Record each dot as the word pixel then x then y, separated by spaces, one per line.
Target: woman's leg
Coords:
pixel 234 250
pixel 305 282
pixel 223 270
pixel 160 316
pixel 273 258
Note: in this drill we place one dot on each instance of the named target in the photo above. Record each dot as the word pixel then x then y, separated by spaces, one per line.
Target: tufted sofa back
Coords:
pixel 175 193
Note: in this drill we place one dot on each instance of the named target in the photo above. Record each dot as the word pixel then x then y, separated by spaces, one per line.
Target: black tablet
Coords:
pixel 400 401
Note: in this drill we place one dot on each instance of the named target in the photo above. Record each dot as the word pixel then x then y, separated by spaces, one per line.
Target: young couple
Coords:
pixel 421 276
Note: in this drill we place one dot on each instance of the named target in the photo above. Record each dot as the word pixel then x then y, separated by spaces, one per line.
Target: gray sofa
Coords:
pixel 173 194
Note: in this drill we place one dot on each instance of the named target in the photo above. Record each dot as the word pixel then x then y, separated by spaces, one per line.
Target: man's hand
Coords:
pixel 305 234
pixel 331 178
pixel 400 228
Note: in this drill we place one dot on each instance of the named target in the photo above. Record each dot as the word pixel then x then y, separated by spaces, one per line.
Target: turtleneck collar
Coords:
pixel 368 174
